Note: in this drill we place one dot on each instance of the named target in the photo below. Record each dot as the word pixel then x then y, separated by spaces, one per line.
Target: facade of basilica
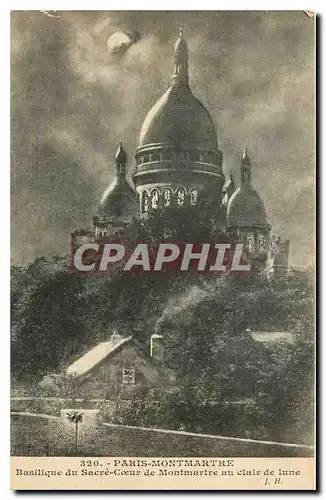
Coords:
pixel 179 184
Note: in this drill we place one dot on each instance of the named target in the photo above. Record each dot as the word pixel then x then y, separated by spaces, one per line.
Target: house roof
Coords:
pixel 93 357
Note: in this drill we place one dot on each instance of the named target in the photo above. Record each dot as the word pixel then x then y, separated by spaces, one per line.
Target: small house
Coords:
pixel 121 365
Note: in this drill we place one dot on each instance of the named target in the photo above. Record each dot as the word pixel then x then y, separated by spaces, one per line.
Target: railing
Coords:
pixel 210 436
pixel 166 447
pixel 178 165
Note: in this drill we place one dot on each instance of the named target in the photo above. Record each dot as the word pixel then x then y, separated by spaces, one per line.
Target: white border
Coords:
pixel 318 7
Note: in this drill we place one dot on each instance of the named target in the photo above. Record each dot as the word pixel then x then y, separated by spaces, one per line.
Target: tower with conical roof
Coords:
pixel 178 164
pixel 118 206
pixel 246 216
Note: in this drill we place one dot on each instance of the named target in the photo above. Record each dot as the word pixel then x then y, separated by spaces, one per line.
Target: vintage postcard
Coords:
pixel 163 250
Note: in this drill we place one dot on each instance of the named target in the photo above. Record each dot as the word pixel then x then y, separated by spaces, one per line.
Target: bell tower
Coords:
pixel 246 216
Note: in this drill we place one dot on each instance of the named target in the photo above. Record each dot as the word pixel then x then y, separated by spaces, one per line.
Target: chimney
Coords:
pixel 157 348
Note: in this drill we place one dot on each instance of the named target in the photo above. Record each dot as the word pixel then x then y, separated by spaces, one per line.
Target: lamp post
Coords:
pixel 75 417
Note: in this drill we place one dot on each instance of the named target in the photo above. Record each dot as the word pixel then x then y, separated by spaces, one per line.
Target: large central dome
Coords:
pixel 179 119
pixel 178 164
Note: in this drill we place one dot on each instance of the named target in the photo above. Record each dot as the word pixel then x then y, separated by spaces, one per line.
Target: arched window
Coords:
pixel 145 201
pixel 251 242
pixel 167 197
pixel 155 194
pixel 194 197
pixel 181 196
pixel 262 243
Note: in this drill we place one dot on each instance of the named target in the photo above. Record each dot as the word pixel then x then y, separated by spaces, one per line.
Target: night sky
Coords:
pixel 76 89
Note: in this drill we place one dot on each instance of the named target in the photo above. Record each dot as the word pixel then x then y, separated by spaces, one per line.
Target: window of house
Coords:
pixel 155 157
pixel 103 374
pixel 128 375
pixel 146 158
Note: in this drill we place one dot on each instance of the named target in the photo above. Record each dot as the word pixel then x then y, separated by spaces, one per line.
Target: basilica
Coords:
pixel 179 187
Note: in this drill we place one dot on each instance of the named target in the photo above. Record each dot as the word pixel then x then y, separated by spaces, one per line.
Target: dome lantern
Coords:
pixel 245 168
pixel 179 119
pixel 121 160
pixel 180 59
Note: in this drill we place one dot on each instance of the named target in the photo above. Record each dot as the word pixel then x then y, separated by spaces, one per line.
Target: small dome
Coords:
pixel 119 201
pixel 179 119
pixel 246 209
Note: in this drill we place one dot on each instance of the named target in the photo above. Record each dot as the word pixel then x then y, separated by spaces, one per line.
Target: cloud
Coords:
pixel 74 96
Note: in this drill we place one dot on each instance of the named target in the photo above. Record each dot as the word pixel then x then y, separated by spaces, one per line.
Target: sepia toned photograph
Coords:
pixel 162 239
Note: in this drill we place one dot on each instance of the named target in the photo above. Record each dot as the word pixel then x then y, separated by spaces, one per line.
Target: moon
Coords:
pixel 118 41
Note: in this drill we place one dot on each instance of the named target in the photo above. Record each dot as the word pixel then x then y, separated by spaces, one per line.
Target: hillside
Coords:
pixel 57 315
